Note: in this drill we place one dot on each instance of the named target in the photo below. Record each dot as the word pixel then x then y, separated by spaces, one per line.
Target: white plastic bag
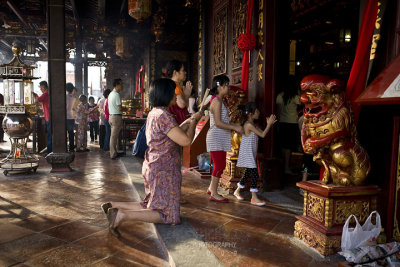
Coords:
pixel 360 235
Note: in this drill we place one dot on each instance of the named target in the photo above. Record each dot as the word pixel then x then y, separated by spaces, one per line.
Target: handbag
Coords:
pixel 140 146
pixel 360 236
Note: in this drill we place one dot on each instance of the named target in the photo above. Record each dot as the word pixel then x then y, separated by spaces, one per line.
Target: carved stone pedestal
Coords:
pixel 233 174
pixel 60 161
pixel 326 209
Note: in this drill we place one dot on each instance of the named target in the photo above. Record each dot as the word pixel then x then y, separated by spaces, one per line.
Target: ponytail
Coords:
pixel 219 80
pixel 247 109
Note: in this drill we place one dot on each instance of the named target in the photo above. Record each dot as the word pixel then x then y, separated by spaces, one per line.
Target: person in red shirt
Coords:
pixel 44 100
pixel 176 72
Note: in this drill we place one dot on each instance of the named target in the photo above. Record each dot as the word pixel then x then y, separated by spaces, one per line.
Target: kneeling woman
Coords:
pixel 162 164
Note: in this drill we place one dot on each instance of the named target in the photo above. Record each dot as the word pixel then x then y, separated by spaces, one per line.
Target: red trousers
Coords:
pixel 219 159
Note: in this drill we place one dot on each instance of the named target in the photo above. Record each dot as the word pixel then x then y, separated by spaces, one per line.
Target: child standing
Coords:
pixel 219 135
pixel 81 120
pixel 248 151
pixel 93 120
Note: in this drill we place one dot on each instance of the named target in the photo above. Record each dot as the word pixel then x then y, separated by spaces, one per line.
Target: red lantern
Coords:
pixel 139 9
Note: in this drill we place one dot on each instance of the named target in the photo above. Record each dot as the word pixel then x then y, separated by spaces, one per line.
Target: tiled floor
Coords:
pixel 55 220
pixel 241 234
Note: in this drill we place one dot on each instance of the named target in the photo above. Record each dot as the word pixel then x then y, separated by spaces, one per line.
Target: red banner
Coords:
pixel 359 71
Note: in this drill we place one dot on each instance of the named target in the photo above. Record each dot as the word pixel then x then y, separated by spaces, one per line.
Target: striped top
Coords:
pixel 248 151
pixel 219 139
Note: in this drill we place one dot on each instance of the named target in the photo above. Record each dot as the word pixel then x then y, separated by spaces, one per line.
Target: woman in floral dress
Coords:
pixel 81 120
pixel 162 164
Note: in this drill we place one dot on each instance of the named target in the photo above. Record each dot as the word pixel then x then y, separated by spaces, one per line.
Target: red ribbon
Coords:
pixel 246 53
pixel 140 84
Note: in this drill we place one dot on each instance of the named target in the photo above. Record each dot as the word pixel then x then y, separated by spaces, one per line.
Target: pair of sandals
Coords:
pixel 252 202
pixel 111 214
pixel 224 200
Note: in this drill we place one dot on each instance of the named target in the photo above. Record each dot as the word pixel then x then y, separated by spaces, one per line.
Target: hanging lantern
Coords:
pixel 122 48
pixel 139 9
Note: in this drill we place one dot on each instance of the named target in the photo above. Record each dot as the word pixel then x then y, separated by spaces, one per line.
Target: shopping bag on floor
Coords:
pixel 140 146
pixel 360 236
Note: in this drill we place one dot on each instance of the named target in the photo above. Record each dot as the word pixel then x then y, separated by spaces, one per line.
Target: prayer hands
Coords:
pixel 271 120
pixel 187 88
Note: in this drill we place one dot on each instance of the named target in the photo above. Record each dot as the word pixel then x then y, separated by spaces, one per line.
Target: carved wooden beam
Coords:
pixel 6 43
pixel 122 7
pixel 17 12
pixel 75 12
pixel 101 9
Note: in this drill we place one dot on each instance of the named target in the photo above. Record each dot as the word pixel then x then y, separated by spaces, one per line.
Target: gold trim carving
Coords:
pixel 326 245
pixel 328 212
pixel 305 202
pixel 396 230
pixel 344 209
pixel 220 41
pixel 315 207
pixel 239 12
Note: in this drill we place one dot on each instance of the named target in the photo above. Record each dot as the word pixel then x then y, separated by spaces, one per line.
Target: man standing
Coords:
pixel 44 100
pixel 70 107
pixel 115 120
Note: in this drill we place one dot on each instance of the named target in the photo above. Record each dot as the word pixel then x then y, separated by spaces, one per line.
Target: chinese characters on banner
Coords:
pixel 260 36
pixel 377 34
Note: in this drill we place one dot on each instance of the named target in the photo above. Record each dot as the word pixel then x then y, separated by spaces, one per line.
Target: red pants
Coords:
pixel 219 159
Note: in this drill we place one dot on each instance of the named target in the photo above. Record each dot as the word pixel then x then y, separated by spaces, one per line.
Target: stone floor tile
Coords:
pixel 67 255
pixel 10 232
pixel 72 231
pixel 39 223
pixel 276 250
pixel 7 261
pixel 114 261
pixel 285 227
pixel 148 252
pixel 28 246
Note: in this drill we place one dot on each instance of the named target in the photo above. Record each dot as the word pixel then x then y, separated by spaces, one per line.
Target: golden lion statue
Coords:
pixel 329 132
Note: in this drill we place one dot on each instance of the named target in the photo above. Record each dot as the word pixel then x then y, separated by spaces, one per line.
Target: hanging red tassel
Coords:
pixel 247 42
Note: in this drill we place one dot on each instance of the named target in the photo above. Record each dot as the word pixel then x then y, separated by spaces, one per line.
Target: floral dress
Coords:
pixel 162 167
pixel 81 120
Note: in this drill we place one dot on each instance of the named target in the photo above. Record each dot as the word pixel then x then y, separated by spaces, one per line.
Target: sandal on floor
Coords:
pixel 238 196
pixel 224 200
pixel 111 216
pixel 256 203
pixel 105 207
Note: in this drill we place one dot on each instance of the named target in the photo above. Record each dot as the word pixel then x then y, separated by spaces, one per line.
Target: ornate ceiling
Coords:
pixel 96 24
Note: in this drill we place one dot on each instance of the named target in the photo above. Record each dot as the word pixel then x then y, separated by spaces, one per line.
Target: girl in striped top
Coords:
pixel 219 135
pixel 248 150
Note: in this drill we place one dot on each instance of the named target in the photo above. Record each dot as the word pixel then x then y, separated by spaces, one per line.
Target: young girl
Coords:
pixel 248 151
pixel 82 112
pixel 219 134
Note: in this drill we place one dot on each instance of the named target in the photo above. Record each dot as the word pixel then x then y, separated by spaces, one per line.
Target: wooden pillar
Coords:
pixel 85 76
pixel 266 97
pixel 79 67
pixel 59 158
